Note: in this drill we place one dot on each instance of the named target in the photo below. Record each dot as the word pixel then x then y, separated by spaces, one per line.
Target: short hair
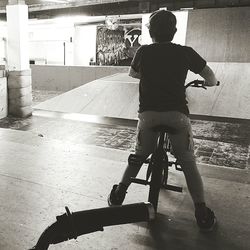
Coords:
pixel 162 25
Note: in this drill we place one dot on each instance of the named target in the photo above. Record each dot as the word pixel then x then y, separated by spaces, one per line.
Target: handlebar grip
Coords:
pixel 218 83
pixel 195 83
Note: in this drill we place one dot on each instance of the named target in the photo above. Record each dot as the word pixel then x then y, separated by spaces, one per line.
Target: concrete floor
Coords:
pixel 42 170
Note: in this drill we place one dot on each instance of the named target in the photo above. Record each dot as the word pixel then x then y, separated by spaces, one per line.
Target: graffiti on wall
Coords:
pixel 117 47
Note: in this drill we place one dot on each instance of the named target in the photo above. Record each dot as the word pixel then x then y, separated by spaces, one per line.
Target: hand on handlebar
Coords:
pixel 196 84
pixel 217 84
pixel 199 84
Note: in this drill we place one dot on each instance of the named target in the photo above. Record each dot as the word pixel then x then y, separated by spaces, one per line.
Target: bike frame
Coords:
pixel 161 164
pixel 157 172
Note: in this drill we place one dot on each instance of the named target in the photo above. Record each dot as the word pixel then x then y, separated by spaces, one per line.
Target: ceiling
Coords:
pixel 51 8
pixel 38 5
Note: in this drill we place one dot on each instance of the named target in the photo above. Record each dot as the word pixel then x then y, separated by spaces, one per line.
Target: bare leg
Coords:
pixel 145 144
pixel 194 181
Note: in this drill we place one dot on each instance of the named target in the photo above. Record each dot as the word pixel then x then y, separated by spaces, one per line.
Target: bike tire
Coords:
pixel 165 169
pixel 156 181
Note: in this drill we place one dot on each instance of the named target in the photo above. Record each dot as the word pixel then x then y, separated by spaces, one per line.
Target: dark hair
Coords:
pixel 162 25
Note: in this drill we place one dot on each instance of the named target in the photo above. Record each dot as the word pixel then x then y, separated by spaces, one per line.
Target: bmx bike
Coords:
pixel 159 163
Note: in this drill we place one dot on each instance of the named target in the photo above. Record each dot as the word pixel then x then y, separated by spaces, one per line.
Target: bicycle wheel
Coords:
pixel 156 178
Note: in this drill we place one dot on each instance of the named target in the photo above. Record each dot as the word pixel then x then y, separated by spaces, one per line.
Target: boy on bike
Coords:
pixel 162 69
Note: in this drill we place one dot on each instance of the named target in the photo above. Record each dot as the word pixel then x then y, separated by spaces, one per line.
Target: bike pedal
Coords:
pixel 140 181
pixel 172 188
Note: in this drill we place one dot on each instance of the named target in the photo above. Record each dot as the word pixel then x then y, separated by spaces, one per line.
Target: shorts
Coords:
pixel 182 141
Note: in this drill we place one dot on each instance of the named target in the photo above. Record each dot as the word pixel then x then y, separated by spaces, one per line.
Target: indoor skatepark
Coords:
pixel 75 146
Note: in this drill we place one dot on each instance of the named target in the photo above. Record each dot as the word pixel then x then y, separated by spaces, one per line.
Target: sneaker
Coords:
pixel 117 195
pixel 205 219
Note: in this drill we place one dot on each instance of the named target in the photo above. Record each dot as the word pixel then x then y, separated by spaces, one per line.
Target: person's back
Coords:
pixel 162 69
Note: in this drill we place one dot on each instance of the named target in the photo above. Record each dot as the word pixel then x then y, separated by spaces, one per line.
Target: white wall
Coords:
pixel 46 43
pixel 3 48
pixel 84 44
pixel 145 37
pixel 180 36
pixel 3 96
pixel 182 19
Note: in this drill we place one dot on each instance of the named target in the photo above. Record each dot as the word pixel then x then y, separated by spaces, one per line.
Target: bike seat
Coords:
pixel 164 129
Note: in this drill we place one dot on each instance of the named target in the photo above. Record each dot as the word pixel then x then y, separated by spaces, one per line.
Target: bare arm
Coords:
pixel 134 74
pixel 209 76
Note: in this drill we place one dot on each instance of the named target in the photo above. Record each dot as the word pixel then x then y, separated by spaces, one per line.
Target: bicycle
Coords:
pixel 158 163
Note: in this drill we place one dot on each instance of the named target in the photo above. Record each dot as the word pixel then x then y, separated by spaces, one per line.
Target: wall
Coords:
pixel 2 51
pixel 3 94
pixel 180 36
pixel 3 43
pixel 84 44
pixel 64 78
pixel 47 41
pixel 220 35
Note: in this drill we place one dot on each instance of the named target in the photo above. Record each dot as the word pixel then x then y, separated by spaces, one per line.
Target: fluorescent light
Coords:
pixel 57 1
pixel 187 8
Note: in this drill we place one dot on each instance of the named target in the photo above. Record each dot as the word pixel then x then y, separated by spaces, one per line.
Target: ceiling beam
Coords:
pixel 13 2
pixel 63 4
pixel 114 7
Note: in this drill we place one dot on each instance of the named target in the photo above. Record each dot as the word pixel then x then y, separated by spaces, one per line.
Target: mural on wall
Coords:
pixel 117 46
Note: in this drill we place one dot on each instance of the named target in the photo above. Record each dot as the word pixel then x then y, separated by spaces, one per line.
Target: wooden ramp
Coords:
pixel 113 96
pixel 231 99
pixel 117 95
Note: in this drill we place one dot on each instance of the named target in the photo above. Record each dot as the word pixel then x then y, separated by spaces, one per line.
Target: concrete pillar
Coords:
pixel 19 73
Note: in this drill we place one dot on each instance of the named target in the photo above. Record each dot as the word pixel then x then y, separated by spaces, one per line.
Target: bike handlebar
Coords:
pixel 199 84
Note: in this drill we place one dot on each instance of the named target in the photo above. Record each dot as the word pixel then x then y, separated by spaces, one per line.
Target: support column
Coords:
pixel 19 73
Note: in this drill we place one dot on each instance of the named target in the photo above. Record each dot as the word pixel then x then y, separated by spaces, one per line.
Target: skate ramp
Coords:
pixel 231 99
pixel 113 96
pixel 117 95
